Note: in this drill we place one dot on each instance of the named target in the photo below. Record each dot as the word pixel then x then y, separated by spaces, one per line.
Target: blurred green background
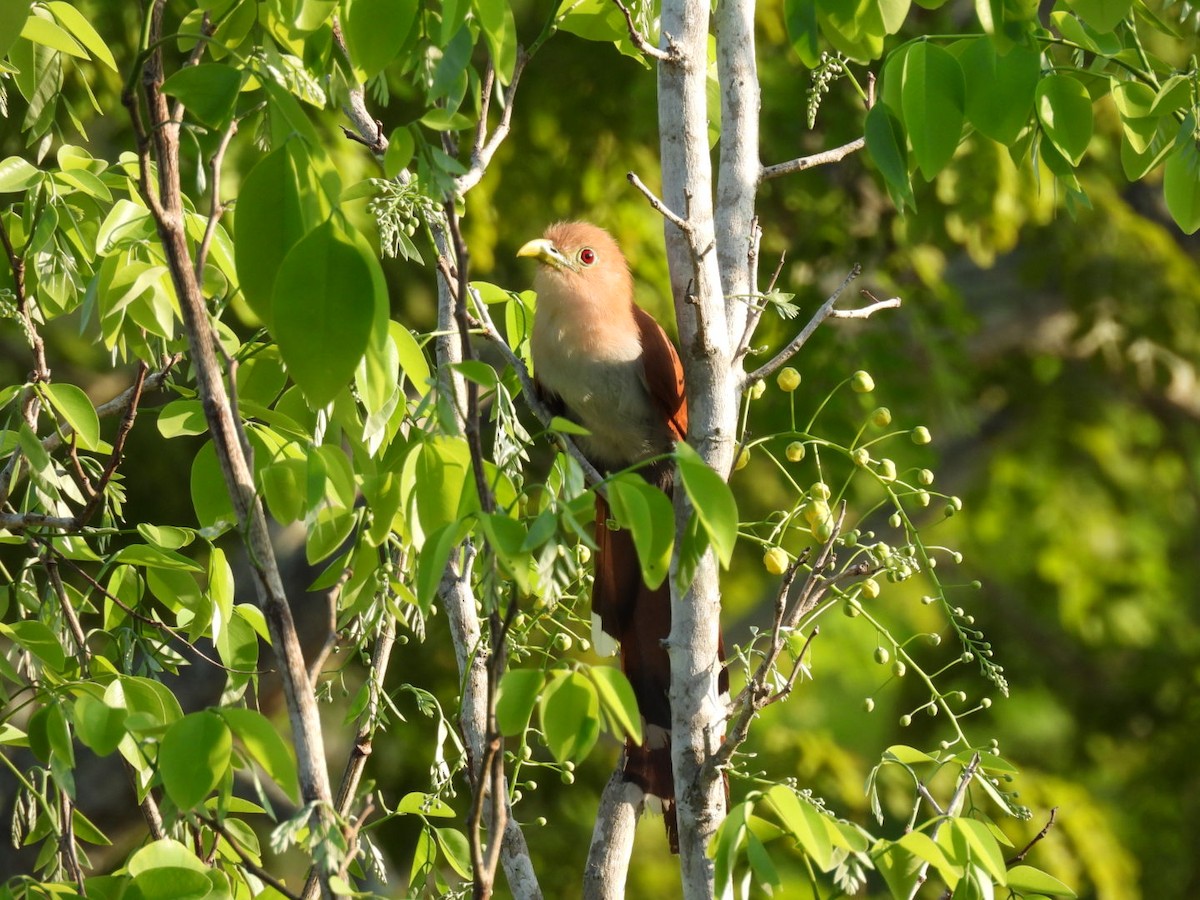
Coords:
pixel 1051 354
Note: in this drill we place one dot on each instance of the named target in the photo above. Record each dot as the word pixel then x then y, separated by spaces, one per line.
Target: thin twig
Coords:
pixel 659 206
pixel 68 611
pixel 754 316
pixel 248 863
pixel 670 55
pixel 118 450
pixel 216 208
pixel 66 841
pixel 331 603
pixel 780 359
pixel 1020 857
pixel 952 809
pixel 866 312
pixel 808 162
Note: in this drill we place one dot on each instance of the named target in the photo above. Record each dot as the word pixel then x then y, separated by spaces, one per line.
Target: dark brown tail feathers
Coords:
pixel 640 618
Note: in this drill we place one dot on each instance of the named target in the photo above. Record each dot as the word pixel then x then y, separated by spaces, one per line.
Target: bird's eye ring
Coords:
pixel 587 256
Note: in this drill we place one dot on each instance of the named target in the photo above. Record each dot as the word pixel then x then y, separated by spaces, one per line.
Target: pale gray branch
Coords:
pixel 612 839
pixel 837 154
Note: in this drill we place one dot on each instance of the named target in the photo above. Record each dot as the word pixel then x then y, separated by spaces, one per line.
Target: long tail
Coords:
pixel 640 618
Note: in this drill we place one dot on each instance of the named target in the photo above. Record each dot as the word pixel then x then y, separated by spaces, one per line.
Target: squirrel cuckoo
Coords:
pixel 606 364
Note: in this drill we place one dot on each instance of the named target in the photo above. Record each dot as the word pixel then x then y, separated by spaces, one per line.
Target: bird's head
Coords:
pixel 578 262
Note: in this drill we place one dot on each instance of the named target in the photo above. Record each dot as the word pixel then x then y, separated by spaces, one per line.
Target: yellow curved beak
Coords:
pixel 545 252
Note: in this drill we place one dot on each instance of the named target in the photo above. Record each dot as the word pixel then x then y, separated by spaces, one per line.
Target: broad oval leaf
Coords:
pixel 1181 186
pixel 81 29
pixel 649 516
pixel 209 91
pixel 888 147
pixel 17 174
pixel 1064 108
pixel 324 304
pixel 417 803
pixel 518 694
pixel 73 405
pixel 932 100
pixel 1035 881
pixel 375 32
pixel 266 746
pixel 273 214
pixel 713 501
pixel 1102 15
pixel 618 700
pixel 12 19
pixel 1000 90
pixel 194 757
pixel 570 716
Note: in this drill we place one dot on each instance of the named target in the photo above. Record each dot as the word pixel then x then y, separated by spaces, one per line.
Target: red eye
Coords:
pixel 587 256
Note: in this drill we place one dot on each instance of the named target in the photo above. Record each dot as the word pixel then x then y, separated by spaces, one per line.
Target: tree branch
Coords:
pixel 612 839
pixel 800 164
pixel 161 140
pixel 780 359
pixel 670 55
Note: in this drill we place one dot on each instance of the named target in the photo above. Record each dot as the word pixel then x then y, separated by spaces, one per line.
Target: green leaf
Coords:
pixel 99 726
pixel 39 640
pixel 276 207
pixel 500 34
pixel 266 746
pixel 312 14
pixel 167 870
pixel 283 486
pixel 518 694
pixel 969 840
pixel 208 90
pixel 416 803
pixel 146 555
pixel 194 757
pixel 931 102
pixel 73 405
pixel 647 513
pixel 1027 879
pixel 17 174
pixel 454 847
pixel 999 89
pixel 48 34
pixel 76 23
pixel 443 482
pixel 907 755
pixel 617 700
pixel 375 32
pixel 570 716
pixel 1065 110
pixel 804 823
pixel 712 499
pixel 506 537
pixel 327 532
pixel 921 845
pixel 431 563
pixel 399 153
pixel 888 147
pixel 12 19
pixel 324 305
pixel 1102 15
pixel 1181 186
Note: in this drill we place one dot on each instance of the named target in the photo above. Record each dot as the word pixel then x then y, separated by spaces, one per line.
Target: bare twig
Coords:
pixel 658 205
pixel 670 55
pixel 866 312
pixel 68 611
pixel 66 841
pixel 823 158
pixel 114 459
pixel 158 141
pixel 754 315
pixel 216 208
pixel 1020 857
pixel 952 809
pixel 780 359
pixel 248 863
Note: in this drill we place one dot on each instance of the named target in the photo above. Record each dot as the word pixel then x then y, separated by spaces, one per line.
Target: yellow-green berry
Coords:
pixel 757 389
pixel 920 435
pixel 882 656
pixel 795 451
pixel 820 490
pixel 742 460
pixel 882 417
pixel 887 469
pixel 861 457
pixel 788 379
pixel 870 588
pixel 861 382
pixel 898 668
pixel 868 704
pixel 775 561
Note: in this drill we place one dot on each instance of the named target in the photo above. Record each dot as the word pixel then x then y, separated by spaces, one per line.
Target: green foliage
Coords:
pixel 354 444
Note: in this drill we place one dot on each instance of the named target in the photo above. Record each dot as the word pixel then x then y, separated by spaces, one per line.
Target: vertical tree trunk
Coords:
pixel 698 715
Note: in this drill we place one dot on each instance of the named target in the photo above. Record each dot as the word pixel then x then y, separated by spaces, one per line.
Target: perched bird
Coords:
pixel 604 362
